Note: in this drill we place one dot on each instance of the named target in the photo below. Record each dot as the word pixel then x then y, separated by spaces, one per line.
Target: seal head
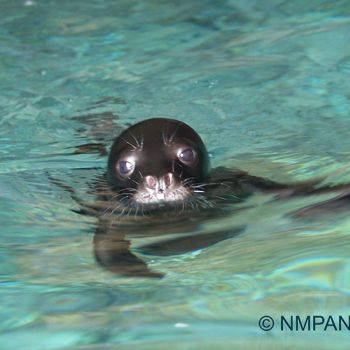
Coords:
pixel 157 161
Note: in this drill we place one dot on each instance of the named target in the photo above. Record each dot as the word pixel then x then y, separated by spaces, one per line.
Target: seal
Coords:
pixel 159 183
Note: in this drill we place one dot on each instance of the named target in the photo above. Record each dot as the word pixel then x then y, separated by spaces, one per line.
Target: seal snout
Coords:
pixel 160 189
pixel 159 184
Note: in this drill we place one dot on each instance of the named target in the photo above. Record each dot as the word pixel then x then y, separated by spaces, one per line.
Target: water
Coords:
pixel 266 84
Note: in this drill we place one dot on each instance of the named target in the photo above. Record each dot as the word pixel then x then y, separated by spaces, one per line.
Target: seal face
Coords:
pixel 157 161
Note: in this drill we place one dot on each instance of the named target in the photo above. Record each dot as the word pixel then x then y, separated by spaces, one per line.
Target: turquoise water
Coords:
pixel 265 83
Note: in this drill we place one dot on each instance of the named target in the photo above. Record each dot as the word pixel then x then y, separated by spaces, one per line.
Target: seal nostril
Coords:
pixel 169 179
pixel 151 182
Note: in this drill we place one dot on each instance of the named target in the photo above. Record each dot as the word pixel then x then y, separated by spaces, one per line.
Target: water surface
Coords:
pixel 266 84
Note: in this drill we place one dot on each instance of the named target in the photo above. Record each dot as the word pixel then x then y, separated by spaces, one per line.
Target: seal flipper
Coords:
pixel 331 207
pixel 113 253
pixel 188 243
pixel 244 183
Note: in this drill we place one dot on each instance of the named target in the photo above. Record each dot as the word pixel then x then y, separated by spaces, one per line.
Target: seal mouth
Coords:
pixel 161 190
pixel 153 197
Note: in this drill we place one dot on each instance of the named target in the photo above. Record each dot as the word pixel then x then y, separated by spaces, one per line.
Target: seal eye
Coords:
pixel 125 167
pixel 187 156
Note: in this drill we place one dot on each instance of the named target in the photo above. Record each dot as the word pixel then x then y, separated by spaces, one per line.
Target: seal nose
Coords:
pixel 151 181
pixel 159 184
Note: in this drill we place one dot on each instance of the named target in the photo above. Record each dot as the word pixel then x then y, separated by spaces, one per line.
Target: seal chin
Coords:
pixel 161 189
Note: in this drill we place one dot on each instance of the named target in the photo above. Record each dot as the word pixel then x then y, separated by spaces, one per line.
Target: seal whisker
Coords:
pixel 130 144
pixel 163 137
pixel 174 133
pixel 134 181
pixel 165 129
pixel 138 144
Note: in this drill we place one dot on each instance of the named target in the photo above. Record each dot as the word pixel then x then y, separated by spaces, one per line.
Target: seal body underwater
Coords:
pixel 159 181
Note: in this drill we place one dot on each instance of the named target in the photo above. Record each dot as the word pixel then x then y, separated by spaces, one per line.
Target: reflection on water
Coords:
pixel 266 86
